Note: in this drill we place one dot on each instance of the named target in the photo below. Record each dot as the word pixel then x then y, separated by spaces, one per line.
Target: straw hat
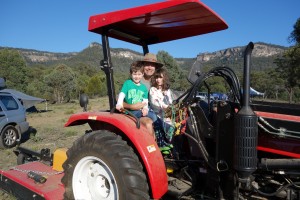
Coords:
pixel 151 58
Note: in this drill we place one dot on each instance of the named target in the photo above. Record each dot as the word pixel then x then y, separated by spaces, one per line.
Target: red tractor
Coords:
pixel 223 149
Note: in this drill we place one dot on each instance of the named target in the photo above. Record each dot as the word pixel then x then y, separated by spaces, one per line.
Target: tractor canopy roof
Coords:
pixel 158 22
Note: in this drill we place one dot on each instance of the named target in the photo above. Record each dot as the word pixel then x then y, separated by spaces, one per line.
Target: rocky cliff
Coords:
pixel 260 50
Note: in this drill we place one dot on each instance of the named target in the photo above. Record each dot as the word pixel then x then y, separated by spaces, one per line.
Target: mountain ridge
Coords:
pixel 122 56
pixel 261 50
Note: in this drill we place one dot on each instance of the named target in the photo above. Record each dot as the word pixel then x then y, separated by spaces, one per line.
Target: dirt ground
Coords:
pixel 47 130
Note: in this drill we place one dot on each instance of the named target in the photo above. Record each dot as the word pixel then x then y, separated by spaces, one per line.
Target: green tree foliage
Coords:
pixel 96 86
pixel 89 56
pixel 36 86
pixel 274 85
pixel 288 66
pixel 289 69
pixel 81 83
pixel 216 84
pixel 83 68
pixel 268 82
pixel 119 79
pixel 89 78
pixel 13 68
pixel 295 34
pixel 61 82
pixel 176 75
pixel 294 52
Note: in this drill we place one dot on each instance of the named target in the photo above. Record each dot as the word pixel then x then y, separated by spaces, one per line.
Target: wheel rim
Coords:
pixel 10 137
pixel 92 179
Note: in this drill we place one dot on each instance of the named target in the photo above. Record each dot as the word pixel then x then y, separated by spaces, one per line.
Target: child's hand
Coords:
pixel 144 112
pixel 165 106
pixel 138 106
pixel 119 107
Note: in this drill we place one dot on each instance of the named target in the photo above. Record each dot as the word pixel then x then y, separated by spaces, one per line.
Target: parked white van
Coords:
pixel 12 120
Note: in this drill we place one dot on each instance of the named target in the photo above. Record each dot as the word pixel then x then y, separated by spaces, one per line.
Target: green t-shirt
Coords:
pixel 134 93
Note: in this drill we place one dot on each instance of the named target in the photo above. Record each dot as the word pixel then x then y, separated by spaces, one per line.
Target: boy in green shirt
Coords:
pixel 133 91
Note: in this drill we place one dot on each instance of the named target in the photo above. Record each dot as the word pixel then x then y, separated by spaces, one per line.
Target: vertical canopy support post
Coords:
pixel 106 66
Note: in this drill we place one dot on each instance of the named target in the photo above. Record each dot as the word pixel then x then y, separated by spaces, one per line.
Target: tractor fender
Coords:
pixel 142 142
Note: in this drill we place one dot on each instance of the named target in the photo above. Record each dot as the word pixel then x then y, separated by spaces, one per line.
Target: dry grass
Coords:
pixel 48 130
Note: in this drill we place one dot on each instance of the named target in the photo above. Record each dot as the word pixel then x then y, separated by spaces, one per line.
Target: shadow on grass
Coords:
pixel 37 111
pixel 41 111
pixel 26 135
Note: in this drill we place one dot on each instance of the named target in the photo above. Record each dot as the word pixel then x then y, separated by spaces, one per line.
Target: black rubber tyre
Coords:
pixel 8 137
pixel 100 165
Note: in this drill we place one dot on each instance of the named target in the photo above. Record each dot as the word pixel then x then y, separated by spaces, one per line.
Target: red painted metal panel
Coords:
pixel 159 22
pixel 278 116
pixel 52 189
pixel 279 152
pixel 275 144
pixel 142 141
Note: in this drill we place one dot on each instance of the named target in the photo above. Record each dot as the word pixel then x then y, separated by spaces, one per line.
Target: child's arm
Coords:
pixel 145 109
pixel 168 96
pixel 121 98
pixel 136 106
pixel 145 101
pixel 154 100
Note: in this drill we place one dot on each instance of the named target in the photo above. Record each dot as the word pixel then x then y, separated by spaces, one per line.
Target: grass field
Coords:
pixel 48 131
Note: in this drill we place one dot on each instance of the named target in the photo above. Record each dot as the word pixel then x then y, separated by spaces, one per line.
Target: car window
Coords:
pixel 9 102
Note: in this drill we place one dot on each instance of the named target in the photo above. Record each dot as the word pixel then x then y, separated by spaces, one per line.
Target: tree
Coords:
pixel 174 72
pixel 288 70
pixel 295 34
pixel 294 52
pixel 216 84
pixel 36 85
pixel 81 83
pixel 272 85
pixel 61 82
pixel 288 66
pixel 13 68
pixel 96 86
pixel 83 68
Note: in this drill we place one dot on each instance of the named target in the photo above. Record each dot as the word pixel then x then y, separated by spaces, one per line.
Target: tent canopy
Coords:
pixel 28 101
pixel 253 92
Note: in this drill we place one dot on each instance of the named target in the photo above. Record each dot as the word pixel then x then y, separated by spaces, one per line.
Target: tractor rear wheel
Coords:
pixel 100 165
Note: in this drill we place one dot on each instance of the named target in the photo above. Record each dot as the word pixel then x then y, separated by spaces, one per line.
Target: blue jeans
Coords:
pixel 166 128
pixel 139 114
pixel 164 133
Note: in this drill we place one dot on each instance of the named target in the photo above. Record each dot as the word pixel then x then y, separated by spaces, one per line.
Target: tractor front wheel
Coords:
pixel 100 165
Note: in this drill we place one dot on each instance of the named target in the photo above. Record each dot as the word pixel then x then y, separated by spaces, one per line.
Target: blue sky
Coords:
pixel 61 25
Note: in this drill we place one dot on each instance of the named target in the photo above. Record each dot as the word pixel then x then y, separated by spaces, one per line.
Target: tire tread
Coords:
pixel 119 155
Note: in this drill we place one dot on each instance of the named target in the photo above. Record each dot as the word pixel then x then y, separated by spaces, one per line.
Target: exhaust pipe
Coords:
pixel 279 164
pixel 246 128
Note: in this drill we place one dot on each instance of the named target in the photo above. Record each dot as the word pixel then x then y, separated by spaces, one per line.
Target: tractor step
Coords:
pixel 178 187
pixel 33 180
